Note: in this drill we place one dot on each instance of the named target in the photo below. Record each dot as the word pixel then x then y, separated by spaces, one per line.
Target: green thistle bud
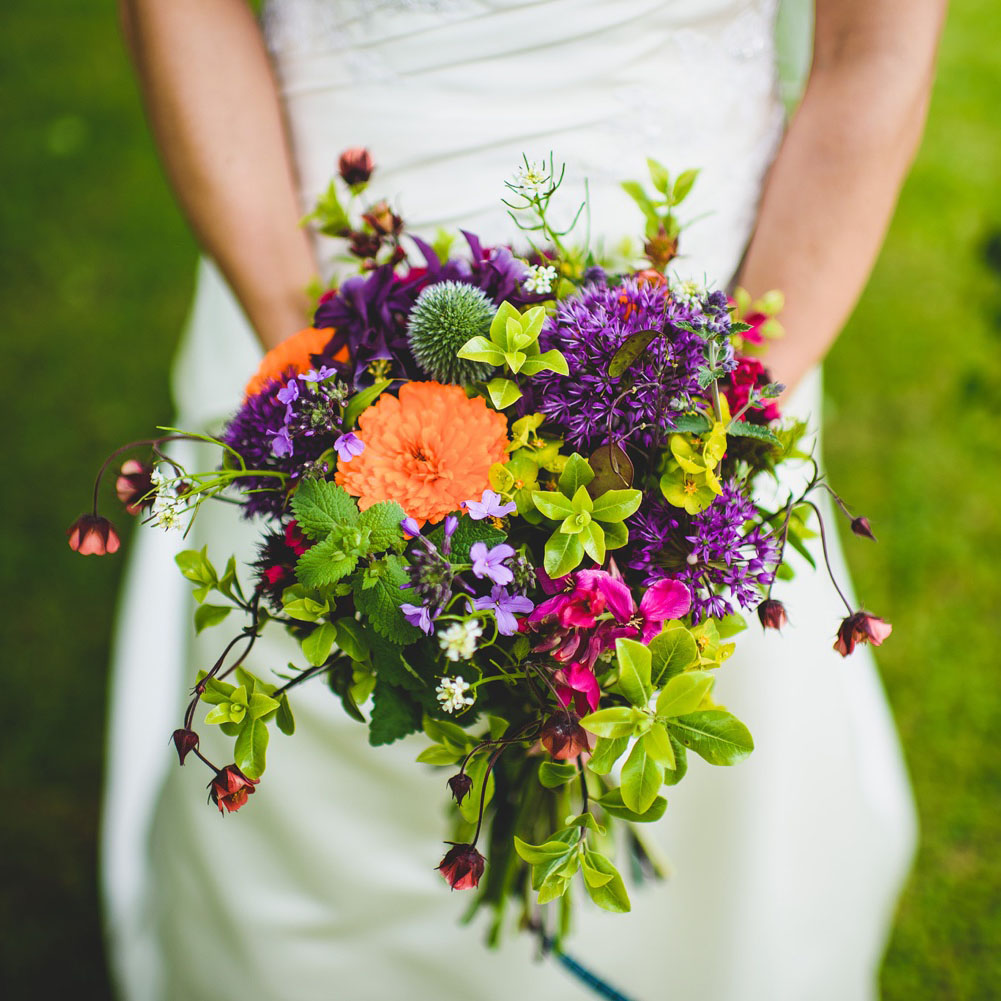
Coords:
pixel 444 317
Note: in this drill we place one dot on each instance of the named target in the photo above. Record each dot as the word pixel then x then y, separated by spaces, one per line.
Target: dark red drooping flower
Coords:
pixel 133 484
pixel 462 867
pixel 563 736
pixel 460 785
pixel 772 614
pixel 185 741
pixel 861 628
pixel 861 526
pixel 230 788
pixel 355 165
pixel 92 535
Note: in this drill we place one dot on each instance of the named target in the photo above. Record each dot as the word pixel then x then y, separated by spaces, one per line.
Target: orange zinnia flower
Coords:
pixel 293 353
pixel 430 449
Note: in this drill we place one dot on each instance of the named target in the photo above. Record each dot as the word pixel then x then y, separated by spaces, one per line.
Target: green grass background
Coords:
pixel 95 278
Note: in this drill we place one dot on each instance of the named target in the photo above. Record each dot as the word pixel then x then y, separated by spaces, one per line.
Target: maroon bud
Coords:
pixel 185 741
pixel 563 736
pixel 92 535
pixel 133 484
pixel 230 788
pixel 383 219
pixel 460 785
pixel 861 526
pixel 861 628
pixel 462 867
pixel 365 245
pixel 772 614
pixel 355 165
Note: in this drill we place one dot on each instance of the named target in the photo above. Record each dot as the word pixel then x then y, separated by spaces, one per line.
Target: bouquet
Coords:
pixel 508 502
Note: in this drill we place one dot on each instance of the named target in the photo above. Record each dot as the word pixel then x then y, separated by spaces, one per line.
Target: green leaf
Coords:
pixel 351 639
pixel 642 778
pixel 576 473
pixel 261 704
pixel 672 651
pixel 498 325
pixel 630 351
pixel 635 191
pixel 553 774
pixel 745 429
pixel 612 804
pixel 304 609
pixel 592 538
pixel 658 745
pixel 394 714
pixel 634 671
pixel 383 522
pixel 320 507
pixel 606 752
pixel 610 896
pixel 617 721
pixel 659 175
pixel 563 553
pixel 554 505
pixel 438 754
pixel 480 349
pixel 468 532
pixel 548 361
pixel 683 185
pixel 696 423
pixel 684 693
pixel 616 505
pixel 443 731
pixel 503 392
pixel 380 604
pixel 195 565
pixel 317 645
pixel 613 470
pixel 592 875
pixel 217 691
pixel 714 734
pixel 325 563
pixel 616 534
pixel 541 854
pixel 553 887
pixel 731 625
pixel 362 401
pixel 210 615
pixel 284 718
pixel 251 748
pixel 673 777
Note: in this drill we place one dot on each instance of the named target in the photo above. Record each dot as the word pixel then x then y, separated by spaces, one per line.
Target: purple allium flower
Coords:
pixel 348 446
pixel 419 616
pixel 490 562
pixel 505 606
pixel 489 505
pixel 588 329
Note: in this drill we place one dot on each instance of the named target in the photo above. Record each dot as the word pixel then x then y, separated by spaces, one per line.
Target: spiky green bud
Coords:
pixel 444 317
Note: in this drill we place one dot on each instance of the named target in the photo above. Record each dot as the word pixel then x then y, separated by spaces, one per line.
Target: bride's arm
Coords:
pixel 832 189
pixel 213 106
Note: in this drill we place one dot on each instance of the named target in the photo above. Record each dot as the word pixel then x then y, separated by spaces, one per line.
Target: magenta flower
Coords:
pixel 579 685
pixel 577 599
pixel 861 627
pixel 664 600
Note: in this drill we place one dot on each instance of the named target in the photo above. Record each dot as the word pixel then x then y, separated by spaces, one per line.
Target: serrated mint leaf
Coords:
pixel 394 714
pixel 378 596
pixel 383 522
pixel 325 563
pixel 320 507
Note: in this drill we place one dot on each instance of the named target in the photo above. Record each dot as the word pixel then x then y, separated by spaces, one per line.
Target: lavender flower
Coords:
pixel 348 446
pixel 504 606
pixel 489 505
pixel 490 562
pixel 420 616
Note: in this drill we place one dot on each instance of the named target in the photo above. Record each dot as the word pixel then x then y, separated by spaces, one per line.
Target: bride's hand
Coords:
pixel 214 109
pixel 832 189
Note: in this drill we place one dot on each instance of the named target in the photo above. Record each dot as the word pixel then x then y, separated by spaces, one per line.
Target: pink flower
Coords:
pixel 462 867
pixel 579 685
pixel 230 789
pixel 861 628
pixel 92 535
pixel 577 598
pixel 664 600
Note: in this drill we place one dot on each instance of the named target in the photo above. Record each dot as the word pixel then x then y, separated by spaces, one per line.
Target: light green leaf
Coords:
pixel 563 553
pixel 634 671
pixel 635 191
pixel 305 609
pixel 642 778
pixel 438 754
pixel 220 714
pixel 610 896
pixel 196 566
pixel 616 505
pixel 284 718
pixel 553 774
pixel 617 721
pixel 548 361
pixel 552 504
pixel 480 349
pixel 553 887
pixel 714 734
pixel 324 563
pixel 683 185
pixel 659 176
pixel 592 875
pixel 261 704
pixel 444 732
pixel 612 804
pixel 592 538
pixel 362 400
pixel 320 507
pixel 541 854
pixel 251 748
pixel 673 650
pixel 684 693
pixel 658 745
pixel 351 639
pixel 210 615
pixel 499 325
pixel 503 392
pixel 217 691
pixel 616 534
pixel 606 752
pixel 317 645
pixel 576 473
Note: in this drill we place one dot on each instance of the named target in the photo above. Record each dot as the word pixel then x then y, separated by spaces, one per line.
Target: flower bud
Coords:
pixel 364 245
pixel 230 788
pixel 185 741
pixel 563 736
pixel 383 219
pixel 92 535
pixel 462 867
pixel 460 785
pixel 355 165
pixel 861 526
pixel 861 628
pixel 661 249
pixel 772 614
pixel 133 484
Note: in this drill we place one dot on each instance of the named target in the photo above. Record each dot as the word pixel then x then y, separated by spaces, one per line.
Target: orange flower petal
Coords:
pixel 293 353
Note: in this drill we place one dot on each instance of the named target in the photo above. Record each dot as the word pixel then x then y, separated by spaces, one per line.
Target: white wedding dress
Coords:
pixel 785 868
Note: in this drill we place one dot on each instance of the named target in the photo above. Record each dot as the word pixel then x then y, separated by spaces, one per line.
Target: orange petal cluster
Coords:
pixel 429 449
pixel 293 353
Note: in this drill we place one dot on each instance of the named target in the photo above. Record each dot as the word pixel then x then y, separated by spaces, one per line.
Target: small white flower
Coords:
pixel 167 504
pixel 532 179
pixel 540 279
pixel 459 639
pixel 686 292
pixel 453 694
